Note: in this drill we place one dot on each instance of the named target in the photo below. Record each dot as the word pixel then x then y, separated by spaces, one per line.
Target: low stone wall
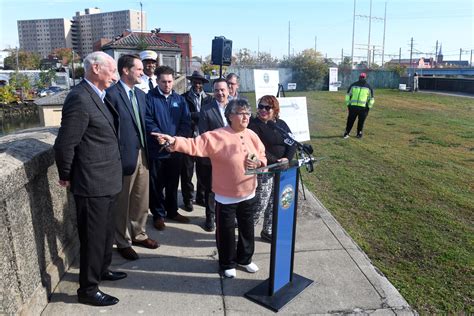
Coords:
pixel 38 234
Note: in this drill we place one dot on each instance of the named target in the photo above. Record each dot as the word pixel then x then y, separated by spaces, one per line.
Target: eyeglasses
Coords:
pixel 266 107
pixel 243 114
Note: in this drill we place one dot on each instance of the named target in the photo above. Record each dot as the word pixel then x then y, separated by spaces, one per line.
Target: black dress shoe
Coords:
pixel 113 276
pixel 210 225
pixel 188 207
pixel 99 298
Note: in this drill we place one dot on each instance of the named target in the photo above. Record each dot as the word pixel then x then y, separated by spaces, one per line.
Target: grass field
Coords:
pixel 405 192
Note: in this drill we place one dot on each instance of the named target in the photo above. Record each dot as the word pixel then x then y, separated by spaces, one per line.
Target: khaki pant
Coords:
pixel 132 205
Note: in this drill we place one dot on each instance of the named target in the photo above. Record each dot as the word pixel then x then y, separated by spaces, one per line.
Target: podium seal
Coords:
pixel 287 196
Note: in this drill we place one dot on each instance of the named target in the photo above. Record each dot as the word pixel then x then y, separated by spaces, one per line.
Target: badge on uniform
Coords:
pixel 175 105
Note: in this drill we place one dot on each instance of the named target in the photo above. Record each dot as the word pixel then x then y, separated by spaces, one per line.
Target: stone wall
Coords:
pixel 38 235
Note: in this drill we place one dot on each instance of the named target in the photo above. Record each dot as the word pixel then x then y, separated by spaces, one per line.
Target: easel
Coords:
pixel 280 88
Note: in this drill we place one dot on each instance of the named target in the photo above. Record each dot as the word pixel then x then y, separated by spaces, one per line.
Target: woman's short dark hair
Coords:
pixel 234 105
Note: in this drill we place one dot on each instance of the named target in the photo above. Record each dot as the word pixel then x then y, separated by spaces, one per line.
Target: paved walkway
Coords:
pixel 181 278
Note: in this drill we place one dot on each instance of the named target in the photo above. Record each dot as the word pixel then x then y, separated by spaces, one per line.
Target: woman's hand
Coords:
pixel 284 160
pixel 165 140
pixel 252 162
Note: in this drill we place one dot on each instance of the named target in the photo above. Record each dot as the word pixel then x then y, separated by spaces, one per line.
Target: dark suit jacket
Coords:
pixel 129 134
pixel 210 119
pixel 193 108
pixel 86 149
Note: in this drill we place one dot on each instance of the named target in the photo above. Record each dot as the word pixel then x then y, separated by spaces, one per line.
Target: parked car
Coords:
pixel 45 92
pixel 55 89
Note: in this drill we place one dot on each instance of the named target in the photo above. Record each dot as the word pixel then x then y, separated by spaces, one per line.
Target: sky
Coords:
pixel 269 25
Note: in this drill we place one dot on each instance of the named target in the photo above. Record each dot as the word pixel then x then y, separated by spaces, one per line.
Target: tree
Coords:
pixel 26 60
pixel 266 60
pixel 309 69
pixel 209 69
pixel 21 82
pixel 245 58
pixel 64 55
pixel 45 78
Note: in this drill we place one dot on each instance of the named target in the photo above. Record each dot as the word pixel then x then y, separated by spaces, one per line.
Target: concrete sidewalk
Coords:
pixel 181 277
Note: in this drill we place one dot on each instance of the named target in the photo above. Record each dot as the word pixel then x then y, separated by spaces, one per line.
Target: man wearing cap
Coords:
pixel 195 99
pixel 359 99
pixel 148 58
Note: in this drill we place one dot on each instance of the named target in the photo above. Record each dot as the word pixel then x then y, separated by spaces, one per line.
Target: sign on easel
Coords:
pixel 333 83
pixel 294 112
pixel 266 83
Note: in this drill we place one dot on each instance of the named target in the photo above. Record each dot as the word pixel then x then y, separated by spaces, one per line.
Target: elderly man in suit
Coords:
pixel 88 160
pixel 212 117
pixel 195 98
pixel 132 208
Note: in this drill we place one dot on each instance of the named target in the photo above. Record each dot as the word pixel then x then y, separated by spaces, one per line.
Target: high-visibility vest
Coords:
pixel 360 96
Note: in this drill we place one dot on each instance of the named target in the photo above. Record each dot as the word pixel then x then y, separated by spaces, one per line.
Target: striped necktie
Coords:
pixel 150 83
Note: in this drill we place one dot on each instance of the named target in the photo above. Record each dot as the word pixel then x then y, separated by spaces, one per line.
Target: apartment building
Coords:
pixel 44 35
pixel 92 25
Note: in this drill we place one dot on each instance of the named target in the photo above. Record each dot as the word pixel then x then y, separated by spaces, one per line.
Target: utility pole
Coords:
pixel 370 26
pixel 411 52
pixel 141 17
pixel 258 47
pixel 17 64
pixel 436 55
pixel 315 43
pixel 73 73
pixel 288 39
pixel 384 28
pixel 470 60
pixel 353 32
pixel 342 55
pixel 399 55
pixel 373 54
pixel 460 54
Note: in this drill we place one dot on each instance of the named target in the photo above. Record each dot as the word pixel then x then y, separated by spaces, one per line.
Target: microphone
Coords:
pixel 289 139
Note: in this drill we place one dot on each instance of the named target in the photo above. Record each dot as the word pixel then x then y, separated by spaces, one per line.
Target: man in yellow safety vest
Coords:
pixel 359 99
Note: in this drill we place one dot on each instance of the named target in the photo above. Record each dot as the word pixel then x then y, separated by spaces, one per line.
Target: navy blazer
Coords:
pixel 129 134
pixel 86 149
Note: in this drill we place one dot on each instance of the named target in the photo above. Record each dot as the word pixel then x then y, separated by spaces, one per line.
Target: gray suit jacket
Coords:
pixel 86 149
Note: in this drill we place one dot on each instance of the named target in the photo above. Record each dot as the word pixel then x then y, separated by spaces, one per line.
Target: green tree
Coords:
pixel 397 68
pixel 45 78
pixel 7 95
pixel 26 60
pixel 20 82
pixel 207 68
pixel 245 58
pixel 309 69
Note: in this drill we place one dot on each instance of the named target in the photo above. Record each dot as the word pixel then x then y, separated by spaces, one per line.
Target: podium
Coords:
pixel 283 285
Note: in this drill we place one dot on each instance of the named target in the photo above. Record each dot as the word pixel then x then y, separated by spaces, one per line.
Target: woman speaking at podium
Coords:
pixel 276 150
pixel 232 150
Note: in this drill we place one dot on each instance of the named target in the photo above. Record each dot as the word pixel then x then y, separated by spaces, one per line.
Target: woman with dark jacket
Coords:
pixel 276 150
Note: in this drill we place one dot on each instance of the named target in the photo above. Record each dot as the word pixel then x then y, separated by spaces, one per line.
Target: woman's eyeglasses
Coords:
pixel 266 107
pixel 242 114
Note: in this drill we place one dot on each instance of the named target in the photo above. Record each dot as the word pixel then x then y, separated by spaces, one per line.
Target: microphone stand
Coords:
pixel 305 151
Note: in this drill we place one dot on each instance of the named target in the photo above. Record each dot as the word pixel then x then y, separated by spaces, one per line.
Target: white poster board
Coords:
pixel 266 82
pixel 333 83
pixel 294 112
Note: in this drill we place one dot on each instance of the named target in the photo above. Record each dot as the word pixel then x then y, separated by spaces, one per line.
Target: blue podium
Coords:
pixel 283 285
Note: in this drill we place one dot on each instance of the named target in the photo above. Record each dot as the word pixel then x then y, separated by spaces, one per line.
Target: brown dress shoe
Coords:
pixel 159 224
pixel 147 243
pixel 128 253
pixel 180 218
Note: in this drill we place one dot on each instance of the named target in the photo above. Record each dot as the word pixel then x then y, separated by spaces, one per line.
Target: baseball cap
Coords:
pixel 363 75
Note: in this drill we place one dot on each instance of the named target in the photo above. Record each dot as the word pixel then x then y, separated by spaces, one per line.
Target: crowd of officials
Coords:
pixel 125 143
